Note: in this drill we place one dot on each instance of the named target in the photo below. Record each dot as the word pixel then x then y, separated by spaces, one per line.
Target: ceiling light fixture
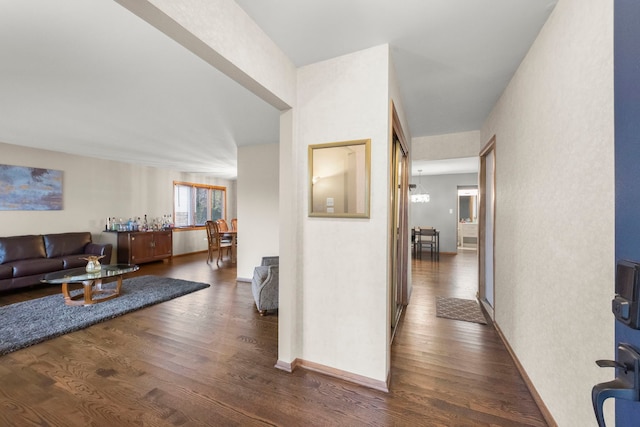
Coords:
pixel 421 195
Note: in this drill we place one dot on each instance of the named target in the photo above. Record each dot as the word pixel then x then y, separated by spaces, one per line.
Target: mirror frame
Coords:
pixel 364 188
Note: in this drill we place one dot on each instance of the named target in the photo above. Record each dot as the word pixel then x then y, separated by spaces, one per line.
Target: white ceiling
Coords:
pixel 88 77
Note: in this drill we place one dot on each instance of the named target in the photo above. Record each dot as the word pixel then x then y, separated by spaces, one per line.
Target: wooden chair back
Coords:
pixel 426 237
pixel 210 227
pixel 222 225
pixel 216 243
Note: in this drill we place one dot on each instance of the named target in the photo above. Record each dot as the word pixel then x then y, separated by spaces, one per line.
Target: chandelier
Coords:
pixel 421 195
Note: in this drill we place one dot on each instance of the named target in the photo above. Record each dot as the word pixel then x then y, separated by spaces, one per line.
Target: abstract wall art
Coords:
pixel 30 189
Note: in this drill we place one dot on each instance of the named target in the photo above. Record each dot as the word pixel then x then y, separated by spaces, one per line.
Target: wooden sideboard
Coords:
pixel 138 247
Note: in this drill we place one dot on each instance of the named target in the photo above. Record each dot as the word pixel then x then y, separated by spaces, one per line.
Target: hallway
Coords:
pixel 207 359
pixel 463 368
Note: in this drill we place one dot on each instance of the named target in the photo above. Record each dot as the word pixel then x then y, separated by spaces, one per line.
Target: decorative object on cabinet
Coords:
pixel 138 247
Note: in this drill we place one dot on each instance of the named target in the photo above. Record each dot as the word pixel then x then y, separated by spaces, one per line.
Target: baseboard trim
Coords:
pixel 534 393
pixel 287 367
pixel 336 373
pixel 243 279
pixel 188 253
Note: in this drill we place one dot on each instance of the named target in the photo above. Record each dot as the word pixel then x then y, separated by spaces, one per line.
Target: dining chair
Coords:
pixel 210 242
pixel 222 224
pixel 216 242
pixel 427 237
pixel 234 227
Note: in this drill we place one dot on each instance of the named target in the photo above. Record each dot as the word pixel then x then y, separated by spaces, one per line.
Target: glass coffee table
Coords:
pixel 92 283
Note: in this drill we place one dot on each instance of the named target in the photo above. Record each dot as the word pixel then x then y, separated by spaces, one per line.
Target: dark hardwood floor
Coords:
pixel 207 359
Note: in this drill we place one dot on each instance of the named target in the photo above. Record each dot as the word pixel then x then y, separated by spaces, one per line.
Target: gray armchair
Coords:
pixel 265 284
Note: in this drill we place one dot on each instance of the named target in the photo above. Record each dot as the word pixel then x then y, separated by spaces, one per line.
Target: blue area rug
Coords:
pixel 30 322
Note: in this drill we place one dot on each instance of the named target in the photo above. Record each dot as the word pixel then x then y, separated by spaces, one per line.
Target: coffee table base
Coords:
pixel 91 288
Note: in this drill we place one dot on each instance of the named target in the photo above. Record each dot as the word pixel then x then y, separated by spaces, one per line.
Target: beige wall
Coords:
pixel 343 277
pixel 258 218
pixel 95 189
pixel 291 210
pixel 221 33
pixel 554 252
pixel 448 146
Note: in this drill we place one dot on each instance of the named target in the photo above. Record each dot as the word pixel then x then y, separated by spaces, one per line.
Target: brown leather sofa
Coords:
pixel 24 260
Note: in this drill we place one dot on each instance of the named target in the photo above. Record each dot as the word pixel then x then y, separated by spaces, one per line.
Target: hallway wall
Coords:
pixel 554 208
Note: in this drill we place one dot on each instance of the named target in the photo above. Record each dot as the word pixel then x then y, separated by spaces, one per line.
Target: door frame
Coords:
pixel 398 230
pixel 489 148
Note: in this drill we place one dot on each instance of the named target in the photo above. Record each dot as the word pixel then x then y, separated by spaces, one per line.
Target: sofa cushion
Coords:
pixel 29 267
pixel 6 271
pixel 21 247
pixel 73 261
pixel 21 282
pixel 58 245
pixel 5 284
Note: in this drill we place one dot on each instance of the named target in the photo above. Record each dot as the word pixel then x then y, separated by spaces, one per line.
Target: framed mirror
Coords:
pixel 339 179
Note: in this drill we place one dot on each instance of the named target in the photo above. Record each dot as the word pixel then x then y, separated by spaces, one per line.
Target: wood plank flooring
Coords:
pixel 206 359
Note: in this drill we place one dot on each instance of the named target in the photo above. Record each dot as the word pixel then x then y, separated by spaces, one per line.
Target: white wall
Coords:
pixel 344 288
pixel 554 253
pixel 95 189
pixel 258 202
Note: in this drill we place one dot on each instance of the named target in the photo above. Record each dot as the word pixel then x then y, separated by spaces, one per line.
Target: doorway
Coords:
pixel 467 230
pixel 487 215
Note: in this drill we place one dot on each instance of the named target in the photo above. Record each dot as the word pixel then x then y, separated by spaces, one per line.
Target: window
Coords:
pixel 194 204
